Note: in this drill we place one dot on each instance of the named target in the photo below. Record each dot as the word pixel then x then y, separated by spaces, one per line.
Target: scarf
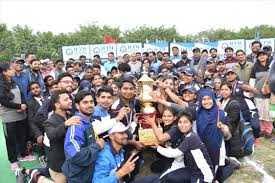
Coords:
pixel 207 121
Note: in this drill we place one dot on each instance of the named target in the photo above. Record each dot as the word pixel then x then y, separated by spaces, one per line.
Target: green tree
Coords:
pixel 6 43
pixel 46 47
pixel 22 39
pixel 143 33
pixel 93 34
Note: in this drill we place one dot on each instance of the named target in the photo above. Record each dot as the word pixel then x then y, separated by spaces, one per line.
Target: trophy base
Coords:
pixel 147 137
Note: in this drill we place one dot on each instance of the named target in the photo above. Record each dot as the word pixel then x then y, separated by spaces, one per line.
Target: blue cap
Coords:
pixel 210 60
pixel 180 69
pixel 189 88
pixel 188 71
pixel 209 84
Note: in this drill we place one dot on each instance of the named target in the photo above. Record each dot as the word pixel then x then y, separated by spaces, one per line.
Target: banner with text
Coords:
pixel 128 48
pixel 235 44
pixel 191 45
pixel 75 51
pixel 265 42
pixel 163 47
pixel 120 49
pixel 100 49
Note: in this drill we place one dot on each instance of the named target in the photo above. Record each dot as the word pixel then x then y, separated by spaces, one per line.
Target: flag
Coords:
pixel 109 39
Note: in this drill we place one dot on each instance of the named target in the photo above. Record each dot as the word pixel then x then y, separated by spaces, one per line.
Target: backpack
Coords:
pixel 242 141
pixel 254 117
pixel 247 136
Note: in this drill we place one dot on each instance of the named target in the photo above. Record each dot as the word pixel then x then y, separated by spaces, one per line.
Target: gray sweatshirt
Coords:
pixel 11 115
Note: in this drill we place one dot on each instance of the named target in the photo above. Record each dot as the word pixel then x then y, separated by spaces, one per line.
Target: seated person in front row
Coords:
pixel 110 166
pixel 192 162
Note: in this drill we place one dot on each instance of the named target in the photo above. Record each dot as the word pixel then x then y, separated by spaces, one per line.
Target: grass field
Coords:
pixel 264 154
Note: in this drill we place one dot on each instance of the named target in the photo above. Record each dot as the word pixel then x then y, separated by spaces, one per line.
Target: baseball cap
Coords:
pixel 230 70
pixel 127 79
pixel 267 48
pixel 180 69
pixel 209 84
pixel 118 127
pixel 188 71
pixel 45 61
pixel 220 61
pixel 261 52
pixel 189 88
pixel 19 60
pixel 210 60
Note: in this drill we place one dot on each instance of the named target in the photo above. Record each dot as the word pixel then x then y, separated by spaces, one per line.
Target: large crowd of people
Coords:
pixel 82 117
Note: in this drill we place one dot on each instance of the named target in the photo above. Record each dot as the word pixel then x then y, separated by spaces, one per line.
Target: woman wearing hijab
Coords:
pixel 211 127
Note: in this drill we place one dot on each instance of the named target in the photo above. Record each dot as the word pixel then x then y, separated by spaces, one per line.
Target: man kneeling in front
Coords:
pixel 108 166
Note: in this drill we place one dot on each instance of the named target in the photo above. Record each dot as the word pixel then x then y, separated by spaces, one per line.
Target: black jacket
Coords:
pixel 6 96
pixel 56 131
pixel 234 144
pixel 233 109
pixel 35 126
pixel 43 111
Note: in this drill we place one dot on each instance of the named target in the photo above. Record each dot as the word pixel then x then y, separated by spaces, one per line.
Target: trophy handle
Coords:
pixel 139 90
pixel 159 121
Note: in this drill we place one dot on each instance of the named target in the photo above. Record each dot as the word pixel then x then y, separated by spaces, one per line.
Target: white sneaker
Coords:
pixel 14 166
pixel 235 161
pixel 20 177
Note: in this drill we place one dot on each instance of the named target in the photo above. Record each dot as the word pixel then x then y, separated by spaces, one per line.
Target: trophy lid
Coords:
pixel 145 78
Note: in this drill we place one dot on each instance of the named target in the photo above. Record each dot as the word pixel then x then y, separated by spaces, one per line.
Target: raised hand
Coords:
pixel 75 120
pixel 128 167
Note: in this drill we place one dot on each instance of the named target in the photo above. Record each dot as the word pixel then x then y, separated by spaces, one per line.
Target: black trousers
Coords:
pixel 182 175
pixel 15 134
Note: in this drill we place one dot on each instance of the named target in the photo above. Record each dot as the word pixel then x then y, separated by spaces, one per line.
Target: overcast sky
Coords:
pixel 188 16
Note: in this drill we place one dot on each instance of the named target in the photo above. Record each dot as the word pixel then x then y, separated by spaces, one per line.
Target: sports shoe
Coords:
pixel 236 163
pixel 20 176
pixel 14 166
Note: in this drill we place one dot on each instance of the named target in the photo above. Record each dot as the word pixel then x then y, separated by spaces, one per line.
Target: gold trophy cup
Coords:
pixel 146 134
